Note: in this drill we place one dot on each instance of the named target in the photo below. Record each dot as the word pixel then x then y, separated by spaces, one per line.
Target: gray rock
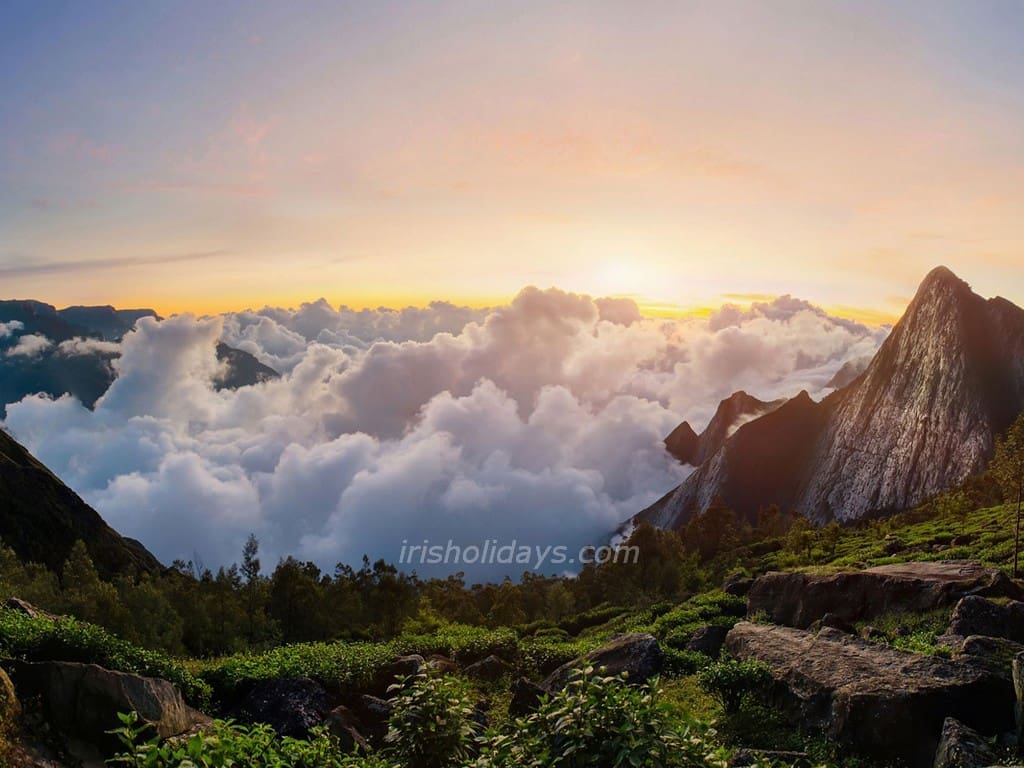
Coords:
pixel 638 655
pixel 342 723
pixel 291 706
pixel 799 599
pixel 884 703
pixel 397 671
pixel 84 700
pixel 962 747
pixel 490 669
pixel 373 713
pixel 974 615
pixel 25 607
pixel 442 665
pixel 708 640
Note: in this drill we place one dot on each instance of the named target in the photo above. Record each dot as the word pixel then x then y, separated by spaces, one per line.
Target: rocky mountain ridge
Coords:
pixel 731 414
pixel 923 415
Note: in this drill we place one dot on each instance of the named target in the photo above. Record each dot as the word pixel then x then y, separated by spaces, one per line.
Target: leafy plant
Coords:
pixel 230 745
pixel 432 725
pixel 732 681
pixel 598 721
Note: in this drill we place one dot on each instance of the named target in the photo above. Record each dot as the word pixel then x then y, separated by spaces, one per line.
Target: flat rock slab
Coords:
pixel 877 700
pixel 800 599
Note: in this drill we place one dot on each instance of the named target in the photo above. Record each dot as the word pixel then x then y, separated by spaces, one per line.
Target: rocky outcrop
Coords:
pixel 876 700
pixel 923 416
pixel 344 726
pixel 490 669
pixel 25 607
pixel 638 655
pixel 396 672
pixel 974 615
pixel 84 700
pixel 708 640
pixel 799 599
pixel 682 443
pixel 291 706
pixel 962 747
pixel 731 414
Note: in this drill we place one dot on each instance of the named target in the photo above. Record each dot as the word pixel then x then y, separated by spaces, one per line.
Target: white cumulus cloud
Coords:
pixel 539 421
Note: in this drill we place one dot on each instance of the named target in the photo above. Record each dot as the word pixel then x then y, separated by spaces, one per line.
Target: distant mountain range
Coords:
pixel 923 415
pixel 41 519
pixel 85 370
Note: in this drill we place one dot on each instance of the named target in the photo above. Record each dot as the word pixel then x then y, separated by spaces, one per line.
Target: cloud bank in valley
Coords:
pixel 540 421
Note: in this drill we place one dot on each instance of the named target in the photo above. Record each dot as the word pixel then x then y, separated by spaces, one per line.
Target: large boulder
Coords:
pixel 84 700
pixel 490 669
pixel 291 706
pixel 344 726
pixel 708 640
pixel 879 701
pixel 962 747
pixel 636 654
pixel 799 599
pixel 396 672
pixel 974 615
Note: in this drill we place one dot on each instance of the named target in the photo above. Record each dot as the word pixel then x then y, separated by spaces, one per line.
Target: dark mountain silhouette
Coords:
pixel 41 519
pixel 731 414
pixel 243 369
pixel 924 415
pixel 87 374
pixel 109 323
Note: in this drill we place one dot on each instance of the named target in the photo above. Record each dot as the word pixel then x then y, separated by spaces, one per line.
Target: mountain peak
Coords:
pixel 922 416
pixel 939 285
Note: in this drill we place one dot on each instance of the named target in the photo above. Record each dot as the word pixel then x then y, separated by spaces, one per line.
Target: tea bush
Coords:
pixel 65 639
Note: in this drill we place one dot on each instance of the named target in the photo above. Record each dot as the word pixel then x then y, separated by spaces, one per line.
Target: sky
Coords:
pixel 205 157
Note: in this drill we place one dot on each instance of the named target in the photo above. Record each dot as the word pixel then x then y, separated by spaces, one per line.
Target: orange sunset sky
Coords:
pixel 205 157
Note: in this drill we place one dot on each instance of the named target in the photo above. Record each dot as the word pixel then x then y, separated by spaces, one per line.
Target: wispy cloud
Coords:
pixel 63 267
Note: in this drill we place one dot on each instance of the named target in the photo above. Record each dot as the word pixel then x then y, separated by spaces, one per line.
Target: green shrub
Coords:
pixel 432 724
pixel 679 663
pixel 66 639
pixel 230 745
pixel 732 681
pixel 592 618
pixel 354 665
pixel 596 722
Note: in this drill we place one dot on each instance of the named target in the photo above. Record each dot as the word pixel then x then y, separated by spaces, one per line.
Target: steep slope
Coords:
pixel 924 415
pixel 41 519
pixel 732 413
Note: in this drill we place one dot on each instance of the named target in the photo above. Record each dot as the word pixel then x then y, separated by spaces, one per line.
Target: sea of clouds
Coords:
pixel 538 422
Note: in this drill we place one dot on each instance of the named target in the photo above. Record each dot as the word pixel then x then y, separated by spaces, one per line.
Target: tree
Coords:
pixel 87 596
pixel 251 571
pixel 1008 469
pixel 830 537
pixel 800 537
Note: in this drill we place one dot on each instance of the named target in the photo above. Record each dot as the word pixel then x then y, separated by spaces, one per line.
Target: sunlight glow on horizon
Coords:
pixel 236 155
